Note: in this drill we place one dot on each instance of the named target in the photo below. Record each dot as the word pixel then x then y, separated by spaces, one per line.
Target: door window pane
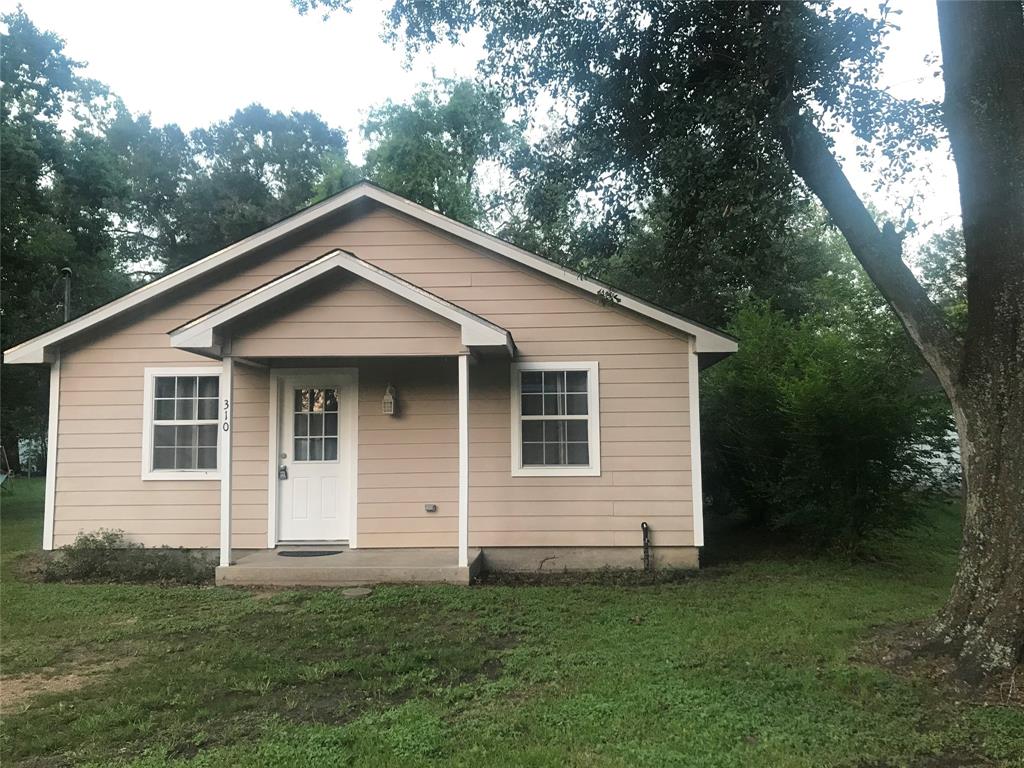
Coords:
pixel 330 449
pixel 315 425
pixel 316 449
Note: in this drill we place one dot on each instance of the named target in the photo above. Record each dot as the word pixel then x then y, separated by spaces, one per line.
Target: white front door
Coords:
pixel 314 462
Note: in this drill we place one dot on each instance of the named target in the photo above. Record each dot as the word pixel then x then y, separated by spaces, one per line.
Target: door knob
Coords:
pixel 282 472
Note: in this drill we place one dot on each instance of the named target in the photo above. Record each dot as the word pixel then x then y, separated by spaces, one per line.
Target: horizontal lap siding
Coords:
pixel 409 460
pixel 349 317
pixel 99 452
pixel 645 463
pixel 250 456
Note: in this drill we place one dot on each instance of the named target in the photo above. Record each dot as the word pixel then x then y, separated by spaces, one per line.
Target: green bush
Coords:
pixel 825 427
pixel 107 556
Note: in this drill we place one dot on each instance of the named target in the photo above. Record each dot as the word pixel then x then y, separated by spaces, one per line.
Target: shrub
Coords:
pixel 107 556
pixel 821 426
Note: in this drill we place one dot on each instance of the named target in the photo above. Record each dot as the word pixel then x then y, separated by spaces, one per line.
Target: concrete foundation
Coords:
pixel 434 566
pixel 548 559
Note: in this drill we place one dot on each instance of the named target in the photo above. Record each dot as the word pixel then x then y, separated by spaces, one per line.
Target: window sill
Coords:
pixel 184 474
pixel 556 472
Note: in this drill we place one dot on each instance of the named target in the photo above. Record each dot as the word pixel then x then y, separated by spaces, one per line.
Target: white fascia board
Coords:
pixel 201 332
pixel 37 350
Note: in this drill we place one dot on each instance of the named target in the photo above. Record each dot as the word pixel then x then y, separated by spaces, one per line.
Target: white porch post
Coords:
pixel 227 389
pixel 696 486
pixel 463 461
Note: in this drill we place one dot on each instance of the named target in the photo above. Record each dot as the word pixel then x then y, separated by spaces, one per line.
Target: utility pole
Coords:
pixel 66 271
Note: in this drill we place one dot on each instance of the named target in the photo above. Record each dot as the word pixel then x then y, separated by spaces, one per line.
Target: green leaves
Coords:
pixel 824 427
pixel 433 149
pixel 185 196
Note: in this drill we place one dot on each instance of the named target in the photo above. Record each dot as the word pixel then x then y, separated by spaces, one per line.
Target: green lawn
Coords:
pixel 748 664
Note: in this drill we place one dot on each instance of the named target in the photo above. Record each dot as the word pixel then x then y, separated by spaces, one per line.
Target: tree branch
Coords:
pixel 879 251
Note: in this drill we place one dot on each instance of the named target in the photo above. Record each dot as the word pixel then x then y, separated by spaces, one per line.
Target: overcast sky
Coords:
pixel 194 62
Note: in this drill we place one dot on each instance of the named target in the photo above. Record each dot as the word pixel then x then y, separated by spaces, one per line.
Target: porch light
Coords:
pixel 388 403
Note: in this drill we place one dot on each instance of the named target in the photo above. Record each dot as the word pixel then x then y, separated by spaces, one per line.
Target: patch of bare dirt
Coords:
pixel 17 690
pixel 903 650
pixel 28 566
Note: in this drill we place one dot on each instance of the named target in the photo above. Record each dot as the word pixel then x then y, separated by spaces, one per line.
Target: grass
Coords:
pixel 751 663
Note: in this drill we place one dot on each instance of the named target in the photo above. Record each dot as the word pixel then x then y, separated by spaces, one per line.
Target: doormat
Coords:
pixel 306 553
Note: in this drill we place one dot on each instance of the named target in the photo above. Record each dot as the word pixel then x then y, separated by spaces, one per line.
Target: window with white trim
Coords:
pixel 555 419
pixel 182 424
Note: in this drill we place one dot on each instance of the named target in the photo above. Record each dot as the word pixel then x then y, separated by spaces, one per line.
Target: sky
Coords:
pixel 194 62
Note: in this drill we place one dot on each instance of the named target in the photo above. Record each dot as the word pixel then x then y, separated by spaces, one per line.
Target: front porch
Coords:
pixel 307 361
pixel 299 566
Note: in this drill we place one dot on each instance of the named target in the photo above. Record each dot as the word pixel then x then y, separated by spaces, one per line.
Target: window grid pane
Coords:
pixel 315 437
pixel 554 413
pixel 185 428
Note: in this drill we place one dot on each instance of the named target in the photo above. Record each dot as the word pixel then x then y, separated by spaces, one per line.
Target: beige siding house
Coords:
pixel 370 375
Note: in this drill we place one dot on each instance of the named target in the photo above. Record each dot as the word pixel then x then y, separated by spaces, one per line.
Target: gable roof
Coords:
pixel 200 335
pixel 38 349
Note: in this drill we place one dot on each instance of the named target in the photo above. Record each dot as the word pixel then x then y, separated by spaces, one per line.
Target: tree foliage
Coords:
pixel 433 149
pixel 185 196
pixel 53 191
pixel 944 274
pixel 823 425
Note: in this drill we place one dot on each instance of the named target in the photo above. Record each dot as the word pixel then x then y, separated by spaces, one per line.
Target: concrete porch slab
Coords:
pixel 349 567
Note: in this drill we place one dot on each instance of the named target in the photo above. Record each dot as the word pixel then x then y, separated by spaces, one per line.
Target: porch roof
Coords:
pixel 204 334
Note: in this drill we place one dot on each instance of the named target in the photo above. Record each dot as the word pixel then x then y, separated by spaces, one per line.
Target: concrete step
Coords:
pixel 351 568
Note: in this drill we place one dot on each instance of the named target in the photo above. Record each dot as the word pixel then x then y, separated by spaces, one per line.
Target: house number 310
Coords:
pixel 227 409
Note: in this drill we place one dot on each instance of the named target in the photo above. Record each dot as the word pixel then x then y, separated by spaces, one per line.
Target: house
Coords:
pixel 370 373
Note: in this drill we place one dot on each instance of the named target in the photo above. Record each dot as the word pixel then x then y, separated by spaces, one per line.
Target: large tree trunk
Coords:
pixel 983 67
pixel 983 374
pixel 983 621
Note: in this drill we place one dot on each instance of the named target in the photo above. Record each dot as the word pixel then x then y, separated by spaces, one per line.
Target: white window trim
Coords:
pixel 148 473
pixel 594 417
